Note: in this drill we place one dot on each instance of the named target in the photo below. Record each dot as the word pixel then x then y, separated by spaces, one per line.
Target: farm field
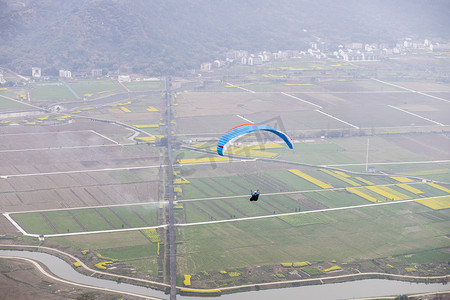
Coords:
pixel 217 246
pixel 89 219
pixel 356 189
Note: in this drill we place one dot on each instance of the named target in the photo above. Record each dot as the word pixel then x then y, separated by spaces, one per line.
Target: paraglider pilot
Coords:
pixel 255 195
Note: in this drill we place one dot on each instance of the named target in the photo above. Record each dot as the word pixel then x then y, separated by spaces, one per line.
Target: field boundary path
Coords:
pixel 24 103
pixel 416 115
pixel 410 90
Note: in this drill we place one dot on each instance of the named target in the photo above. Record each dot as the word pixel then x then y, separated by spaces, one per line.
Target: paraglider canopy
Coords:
pixel 238 131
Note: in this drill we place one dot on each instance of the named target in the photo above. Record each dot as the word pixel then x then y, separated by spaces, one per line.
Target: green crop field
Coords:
pixel 112 218
pixel 63 221
pixel 272 241
pixel 133 252
pixel 94 87
pixel 51 93
pixel 33 222
pixel 89 219
pixel 7 104
pixel 143 85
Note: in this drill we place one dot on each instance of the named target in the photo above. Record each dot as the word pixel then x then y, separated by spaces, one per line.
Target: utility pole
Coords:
pixel 367 155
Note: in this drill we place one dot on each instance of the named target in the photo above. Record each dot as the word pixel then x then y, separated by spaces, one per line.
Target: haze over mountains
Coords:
pixel 166 37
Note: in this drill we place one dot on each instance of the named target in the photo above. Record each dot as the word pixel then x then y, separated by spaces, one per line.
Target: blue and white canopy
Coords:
pixel 238 131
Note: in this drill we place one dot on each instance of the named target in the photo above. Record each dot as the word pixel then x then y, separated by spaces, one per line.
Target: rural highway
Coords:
pixel 171 231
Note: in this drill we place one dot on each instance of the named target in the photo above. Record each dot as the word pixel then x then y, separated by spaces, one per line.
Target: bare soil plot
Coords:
pixel 434 146
pixel 211 125
pixel 435 111
pixel 51 139
pixel 333 100
pixel 352 85
pixel 424 86
pixel 80 196
pixel 77 125
pixel 30 184
pixel 293 121
pixel 67 184
pixel 132 117
pixel 211 104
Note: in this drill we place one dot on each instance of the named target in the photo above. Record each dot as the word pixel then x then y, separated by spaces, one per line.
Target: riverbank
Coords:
pixel 83 269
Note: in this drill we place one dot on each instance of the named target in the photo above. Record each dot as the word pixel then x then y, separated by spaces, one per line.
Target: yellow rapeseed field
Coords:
pixel 333 268
pixel 440 187
pixel 180 180
pixel 365 181
pixel 383 193
pixel 204 159
pixel 436 203
pixel 146 138
pixel 216 291
pixel 152 234
pixel 151 108
pixel 301 264
pixel 402 179
pixel 409 188
pixel 343 178
pixel 311 179
pixel 342 174
pixel 187 280
pixel 395 192
pixel 361 194
pixel 248 151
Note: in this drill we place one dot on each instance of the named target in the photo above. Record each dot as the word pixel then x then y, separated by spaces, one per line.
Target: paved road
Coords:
pixel 172 246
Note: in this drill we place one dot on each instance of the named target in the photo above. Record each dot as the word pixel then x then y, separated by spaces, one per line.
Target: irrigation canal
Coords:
pixel 347 290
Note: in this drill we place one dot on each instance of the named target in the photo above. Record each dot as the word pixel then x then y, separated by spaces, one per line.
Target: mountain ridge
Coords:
pixel 165 37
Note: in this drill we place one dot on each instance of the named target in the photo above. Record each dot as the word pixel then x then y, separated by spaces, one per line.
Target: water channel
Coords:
pixel 346 290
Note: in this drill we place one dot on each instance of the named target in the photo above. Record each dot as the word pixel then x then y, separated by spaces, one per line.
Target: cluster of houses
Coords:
pixel 351 52
pixel 36 73
pixel 320 50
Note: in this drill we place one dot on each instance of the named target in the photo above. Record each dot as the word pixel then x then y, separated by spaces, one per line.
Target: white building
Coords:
pixel 96 72
pixel 255 60
pixel 354 46
pixel 65 74
pixel 36 72
pixel 124 78
pixel 205 67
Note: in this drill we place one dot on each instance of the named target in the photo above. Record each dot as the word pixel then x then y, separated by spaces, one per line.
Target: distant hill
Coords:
pixel 168 36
